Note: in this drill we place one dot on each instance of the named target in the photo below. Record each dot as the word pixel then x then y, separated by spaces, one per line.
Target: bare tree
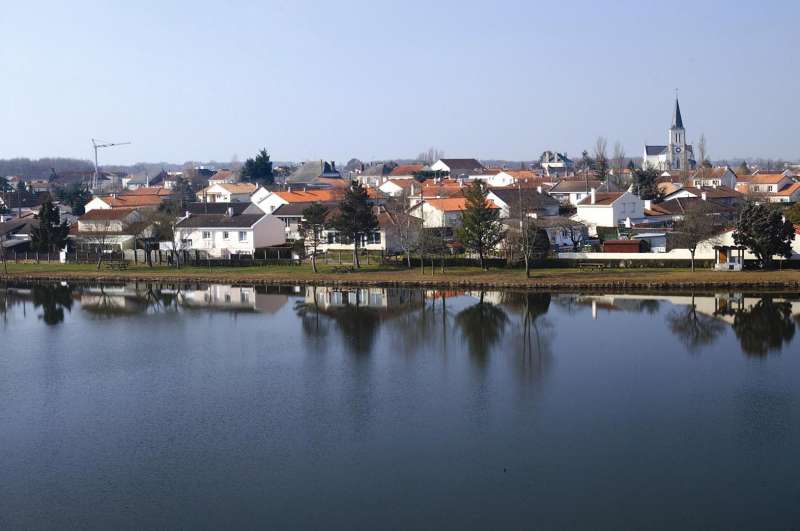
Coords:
pixel 3 254
pixel 576 233
pixel 697 226
pixel 99 237
pixel 702 151
pixel 618 164
pixel 430 156
pixel 406 227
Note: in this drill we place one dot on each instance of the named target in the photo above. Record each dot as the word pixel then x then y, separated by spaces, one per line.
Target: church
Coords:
pixel 677 155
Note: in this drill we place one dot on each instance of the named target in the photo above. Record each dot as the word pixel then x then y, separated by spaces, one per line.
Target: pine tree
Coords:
pixel 258 170
pixel 765 232
pixel 51 234
pixel 356 219
pixel 480 229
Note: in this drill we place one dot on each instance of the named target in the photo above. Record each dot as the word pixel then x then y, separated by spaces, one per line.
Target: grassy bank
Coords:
pixel 395 276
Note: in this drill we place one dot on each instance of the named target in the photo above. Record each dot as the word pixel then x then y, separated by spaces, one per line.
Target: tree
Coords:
pixel 258 170
pixel 76 196
pixel 793 214
pixel 646 181
pixel 406 227
pixel 164 231
pixel 601 159
pixel 576 233
pixel 743 169
pixel 4 185
pixel 696 226
pixel 694 329
pixel 430 156
pixel 311 227
pixel 702 151
pixel 533 243
pixel 51 234
pixel 355 220
pixel 618 163
pixel 765 232
pixel 480 229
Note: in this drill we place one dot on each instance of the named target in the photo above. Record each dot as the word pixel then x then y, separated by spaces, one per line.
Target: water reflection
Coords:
pixel 764 327
pixel 482 325
pixel 53 300
pixel 693 328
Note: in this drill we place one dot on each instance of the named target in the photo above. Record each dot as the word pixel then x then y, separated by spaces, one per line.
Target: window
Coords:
pixel 225 235
pixel 206 234
pixel 242 236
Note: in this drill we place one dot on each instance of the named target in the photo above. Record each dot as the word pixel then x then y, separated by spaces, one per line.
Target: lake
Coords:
pixel 145 406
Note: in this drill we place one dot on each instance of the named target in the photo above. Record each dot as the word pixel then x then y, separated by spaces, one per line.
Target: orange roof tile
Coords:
pixel 789 190
pixel 770 178
pixel 309 196
pixel 407 169
pixel 453 204
pixel 132 201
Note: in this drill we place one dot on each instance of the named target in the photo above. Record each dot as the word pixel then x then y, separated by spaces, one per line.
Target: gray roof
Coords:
pixel 221 221
pixel 580 185
pixel 677 119
pixel 530 196
pixel 378 170
pixel 18 226
pixel 462 165
pixel 655 150
pixel 199 208
pixel 296 209
pixel 308 172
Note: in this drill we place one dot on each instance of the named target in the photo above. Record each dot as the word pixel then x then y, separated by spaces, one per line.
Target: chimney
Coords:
pixel 186 214
pixel 230 212
pixel 289 189
pixel 593 192
pixel 539 190
pixel 648 204
pixel 704 196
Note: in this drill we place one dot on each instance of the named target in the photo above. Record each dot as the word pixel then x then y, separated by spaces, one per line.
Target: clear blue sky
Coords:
pixel 208 80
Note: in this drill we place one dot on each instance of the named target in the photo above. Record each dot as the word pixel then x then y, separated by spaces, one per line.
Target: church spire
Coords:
pixel 677 119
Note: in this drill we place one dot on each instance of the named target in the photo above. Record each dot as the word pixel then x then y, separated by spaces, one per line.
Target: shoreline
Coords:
pixel 548 280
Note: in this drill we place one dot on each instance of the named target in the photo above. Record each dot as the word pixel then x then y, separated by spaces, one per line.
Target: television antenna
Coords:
pixel 101 144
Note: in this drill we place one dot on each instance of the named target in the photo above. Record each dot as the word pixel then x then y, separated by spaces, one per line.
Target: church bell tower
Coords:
pixel 677 155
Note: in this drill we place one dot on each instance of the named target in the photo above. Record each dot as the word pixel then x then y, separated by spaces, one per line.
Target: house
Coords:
pixel 563 232
pixel 386 239
pixel 763 183
pixel 291 214
pixel 22 203
pixel 268 201
pixel 445 212
pixel 397 187
pixel 227 193
pixel 223 177
pixel 555 163
pixel 200 208
pixel 318 174
pixel 573 191
pixel 228 234
pixel 714 177
pixel 789 194
pixel 375 174
pixel 609 209
pixel 106 229
pixel 406 171
pixel 459 168
pixel 534 200
pixel 150 198
pixel 722 195
pixel 16 234
pixel 511 177
pixel 675 209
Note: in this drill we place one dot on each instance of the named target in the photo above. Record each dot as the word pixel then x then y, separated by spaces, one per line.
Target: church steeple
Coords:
pixel 677 119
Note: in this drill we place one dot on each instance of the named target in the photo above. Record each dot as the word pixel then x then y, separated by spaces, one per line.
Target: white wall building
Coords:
pixel 224 235
pixel 609 209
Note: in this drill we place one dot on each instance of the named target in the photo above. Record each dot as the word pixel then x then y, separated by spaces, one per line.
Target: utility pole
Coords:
pixel 99 144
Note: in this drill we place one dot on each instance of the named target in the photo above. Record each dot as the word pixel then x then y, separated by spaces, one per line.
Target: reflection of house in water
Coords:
pixel 112 299
pixel 235 298
pixel 374 298
pixel 722 306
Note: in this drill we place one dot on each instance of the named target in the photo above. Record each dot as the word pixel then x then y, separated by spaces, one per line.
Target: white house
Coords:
pixel 386 239
pixel 108 228
pixel 227 193
pixel 224 235
pixel 609 209
pixel 459 168
pixel 573 191
pixel 714 177
pixel 268 201
pixel 534 200
pixel 446 212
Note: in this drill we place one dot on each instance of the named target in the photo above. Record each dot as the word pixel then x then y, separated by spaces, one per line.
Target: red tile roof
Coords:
pixel 453 204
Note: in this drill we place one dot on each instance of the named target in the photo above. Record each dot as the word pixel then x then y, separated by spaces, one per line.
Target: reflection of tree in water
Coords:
pixel 313 323
pixel 534 335
pixel 695 330
pixel 426 326
pixel 482 325
pixel 358 324
pixel 764 327
pixel 52 299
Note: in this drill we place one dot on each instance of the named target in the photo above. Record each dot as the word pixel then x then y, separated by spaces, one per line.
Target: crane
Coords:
pixel 99 144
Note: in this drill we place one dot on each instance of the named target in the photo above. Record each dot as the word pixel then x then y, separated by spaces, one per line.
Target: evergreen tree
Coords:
pixel 765 232
pixel 646 181
pixel 480 229
pixel 258 170
pixel 76 196
pixel 51 234
pixel 601 168
pixel 356 219
pixel 311 227
pixel 743 169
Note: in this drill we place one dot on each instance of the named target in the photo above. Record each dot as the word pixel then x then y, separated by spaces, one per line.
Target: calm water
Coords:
pixel 153 407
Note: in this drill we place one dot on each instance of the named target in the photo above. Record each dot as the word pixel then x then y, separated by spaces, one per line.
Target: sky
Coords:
pixel 372 79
